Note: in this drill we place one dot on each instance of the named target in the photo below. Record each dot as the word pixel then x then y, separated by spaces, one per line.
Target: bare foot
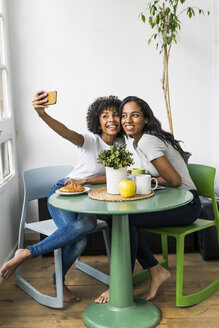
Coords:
pixel 103 298
pixel 10 267
pixel 68 295
pixel 158 276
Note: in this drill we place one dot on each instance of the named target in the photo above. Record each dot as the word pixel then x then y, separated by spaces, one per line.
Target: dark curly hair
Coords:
pixel 96 109
pixel 153 126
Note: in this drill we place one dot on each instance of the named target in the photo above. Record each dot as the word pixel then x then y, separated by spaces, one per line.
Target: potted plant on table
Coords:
pixel 116 160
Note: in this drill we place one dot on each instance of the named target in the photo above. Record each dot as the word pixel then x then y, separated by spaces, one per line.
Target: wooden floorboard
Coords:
pixel 18 310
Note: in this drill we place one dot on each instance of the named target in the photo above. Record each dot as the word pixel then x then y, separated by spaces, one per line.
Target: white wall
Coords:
pixel 10 197
pixel 9 223
pixel 91 48
pixel 86 49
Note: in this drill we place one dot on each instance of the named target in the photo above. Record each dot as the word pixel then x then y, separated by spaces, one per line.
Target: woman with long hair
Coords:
pixel 163 158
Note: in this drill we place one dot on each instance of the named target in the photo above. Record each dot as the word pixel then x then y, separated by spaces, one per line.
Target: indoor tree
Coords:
pixel 164 18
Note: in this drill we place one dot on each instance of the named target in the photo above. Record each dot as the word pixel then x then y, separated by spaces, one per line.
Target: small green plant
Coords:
pixel 117 156
pixel 164 18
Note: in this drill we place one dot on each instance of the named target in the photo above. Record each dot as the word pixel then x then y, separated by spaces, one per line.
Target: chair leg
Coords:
pixel 59 276
pixel 53 302
pixel 217 228
pixel 191 299
pixel 179 269
pixel 164 250
pixel 106 238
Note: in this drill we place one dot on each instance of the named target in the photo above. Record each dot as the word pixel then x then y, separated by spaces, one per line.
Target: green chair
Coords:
pixel 203 177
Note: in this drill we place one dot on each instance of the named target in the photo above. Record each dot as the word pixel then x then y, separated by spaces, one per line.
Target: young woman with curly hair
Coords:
pixel 103 122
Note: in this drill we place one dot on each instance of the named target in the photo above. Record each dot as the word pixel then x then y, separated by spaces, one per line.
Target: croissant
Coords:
pixel 72 187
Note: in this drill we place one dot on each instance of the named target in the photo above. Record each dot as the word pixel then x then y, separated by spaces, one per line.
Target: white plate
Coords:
pixel 72 193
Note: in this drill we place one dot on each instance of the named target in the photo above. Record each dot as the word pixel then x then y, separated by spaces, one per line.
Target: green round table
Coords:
pixel 122 311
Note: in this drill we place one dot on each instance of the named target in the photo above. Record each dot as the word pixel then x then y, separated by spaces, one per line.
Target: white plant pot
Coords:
pixel 113 179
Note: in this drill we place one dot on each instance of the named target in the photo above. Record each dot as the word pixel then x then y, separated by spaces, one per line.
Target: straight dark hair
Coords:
pixel 153 126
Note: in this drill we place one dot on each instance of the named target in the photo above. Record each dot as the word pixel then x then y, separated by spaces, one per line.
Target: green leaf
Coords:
pixel 189 13
pixel 116 157
pixel 167 10
pixel 166 22
pixel 169 40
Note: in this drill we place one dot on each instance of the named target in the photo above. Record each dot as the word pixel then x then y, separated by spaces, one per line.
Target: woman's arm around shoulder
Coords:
pixel 39 103
pixel 168 175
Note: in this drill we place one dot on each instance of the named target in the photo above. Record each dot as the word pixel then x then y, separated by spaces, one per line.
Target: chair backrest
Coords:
pixel 203 177
pixel 38 181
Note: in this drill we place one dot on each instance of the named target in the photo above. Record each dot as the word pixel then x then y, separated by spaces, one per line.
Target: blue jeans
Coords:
pixel 180 216
pixel 70 235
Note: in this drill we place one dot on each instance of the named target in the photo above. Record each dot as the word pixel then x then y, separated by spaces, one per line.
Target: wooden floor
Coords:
pixel 18 310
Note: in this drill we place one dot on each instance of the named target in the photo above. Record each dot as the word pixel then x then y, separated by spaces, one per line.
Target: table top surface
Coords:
pixel 165 199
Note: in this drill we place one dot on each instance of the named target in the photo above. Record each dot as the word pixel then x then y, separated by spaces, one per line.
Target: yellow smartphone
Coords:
pixel 52 98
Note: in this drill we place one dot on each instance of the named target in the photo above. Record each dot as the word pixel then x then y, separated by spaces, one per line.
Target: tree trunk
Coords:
pixel 165 86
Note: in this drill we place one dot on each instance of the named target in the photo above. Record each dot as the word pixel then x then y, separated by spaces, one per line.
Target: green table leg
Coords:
pixel 121 311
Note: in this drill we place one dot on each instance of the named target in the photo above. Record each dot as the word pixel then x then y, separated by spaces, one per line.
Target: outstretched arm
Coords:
pixel 39 103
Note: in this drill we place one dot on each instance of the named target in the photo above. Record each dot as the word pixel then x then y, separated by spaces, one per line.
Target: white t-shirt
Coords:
pixel 87 166
pixel 150 147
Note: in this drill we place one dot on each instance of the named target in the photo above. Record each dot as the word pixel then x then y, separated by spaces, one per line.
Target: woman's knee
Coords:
pixel 91 222
pixel 83 225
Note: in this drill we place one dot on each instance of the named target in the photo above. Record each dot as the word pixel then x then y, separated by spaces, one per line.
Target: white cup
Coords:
pixel 143 183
